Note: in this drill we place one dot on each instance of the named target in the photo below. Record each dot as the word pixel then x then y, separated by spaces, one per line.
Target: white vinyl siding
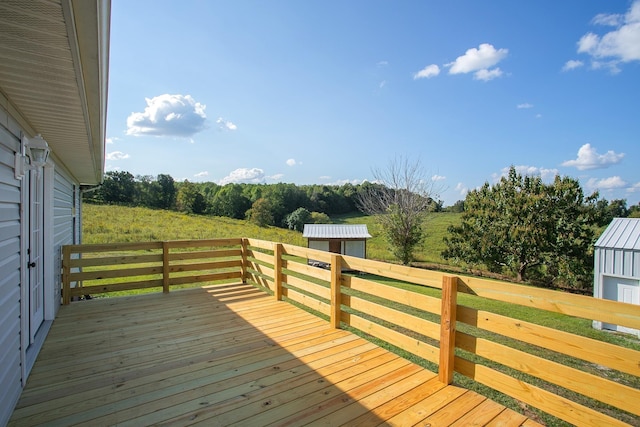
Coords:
pixel 65 220
pixel 10 367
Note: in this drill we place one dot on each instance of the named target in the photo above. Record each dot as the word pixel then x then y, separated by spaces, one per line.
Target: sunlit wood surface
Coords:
pixel 230 355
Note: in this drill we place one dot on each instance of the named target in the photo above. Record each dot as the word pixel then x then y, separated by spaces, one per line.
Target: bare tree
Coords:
pixel 401 198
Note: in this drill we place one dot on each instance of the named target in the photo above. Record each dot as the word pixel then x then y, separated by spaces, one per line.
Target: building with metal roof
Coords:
pixel 345 239
pixel 617 267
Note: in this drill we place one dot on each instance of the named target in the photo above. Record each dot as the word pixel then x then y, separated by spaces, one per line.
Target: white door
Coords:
pixel 623 290
pixel 34 252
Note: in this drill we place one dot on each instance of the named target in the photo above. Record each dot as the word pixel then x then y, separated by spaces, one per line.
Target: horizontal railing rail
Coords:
pixel 460 325
pixel 113 267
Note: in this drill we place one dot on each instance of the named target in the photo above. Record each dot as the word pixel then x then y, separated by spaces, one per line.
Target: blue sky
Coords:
pixel 323 92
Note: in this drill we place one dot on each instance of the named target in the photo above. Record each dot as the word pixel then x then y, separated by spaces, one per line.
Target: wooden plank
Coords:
pixel 400 318
pixel 394 271
pixel 113 247
pixel 261 269
pixel 399 404
pixel 448 329
pixel 165 268
pixel 336 272
pixel 586 307
pixel 357 405
pixel 307 253
pixel 551 403
pixel 216 253
pixel 115 260
pixel 598 388
pixel 453 411
pixel 305 285
pixel 412 345
pixel 211 265
pixel 202 243
pixel 230 275
pixel 590 350
pixel 114 287
pixel 508 418
pixel 408 298
pixel 262 244
pixel 480 415
pixel 277 271
pixel 305 300
pixel 261 256
pixel 308 270
pixel 115 274
pixel 424 408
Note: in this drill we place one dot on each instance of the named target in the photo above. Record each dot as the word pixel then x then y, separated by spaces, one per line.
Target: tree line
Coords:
pixel 520 226
pixel 282 205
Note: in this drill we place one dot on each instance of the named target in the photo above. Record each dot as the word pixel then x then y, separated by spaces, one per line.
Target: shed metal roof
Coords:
pixel 336 231
pixel 622 233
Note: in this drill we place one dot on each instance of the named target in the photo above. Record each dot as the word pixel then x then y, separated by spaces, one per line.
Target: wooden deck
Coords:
pixel 230 355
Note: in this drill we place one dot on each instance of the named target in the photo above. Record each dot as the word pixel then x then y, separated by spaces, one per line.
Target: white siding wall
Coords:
pixel 10 367
pixel 65 220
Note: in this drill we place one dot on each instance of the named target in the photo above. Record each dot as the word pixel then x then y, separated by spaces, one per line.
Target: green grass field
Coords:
pixel 108 224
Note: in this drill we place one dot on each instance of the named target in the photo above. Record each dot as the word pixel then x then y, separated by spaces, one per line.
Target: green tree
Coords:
pixel 320 218
pixel 528 228
pixel 297 219
pixel 231 202
pixel 261 212
pixel 401 199
pixel 190 200
pixel 166 196
pixel 117 187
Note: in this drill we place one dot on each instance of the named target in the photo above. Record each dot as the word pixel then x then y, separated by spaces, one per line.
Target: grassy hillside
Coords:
pixel 105 223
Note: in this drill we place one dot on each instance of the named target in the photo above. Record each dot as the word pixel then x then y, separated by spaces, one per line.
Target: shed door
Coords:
pixel 623 290
pixel 36 243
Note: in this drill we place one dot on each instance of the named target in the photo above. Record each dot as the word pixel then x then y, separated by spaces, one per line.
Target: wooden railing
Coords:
pixel 578 379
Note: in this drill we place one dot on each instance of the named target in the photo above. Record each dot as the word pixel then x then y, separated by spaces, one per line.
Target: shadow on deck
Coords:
pixel 230 355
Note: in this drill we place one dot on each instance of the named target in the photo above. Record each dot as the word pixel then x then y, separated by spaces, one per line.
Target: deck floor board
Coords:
pixel 229 355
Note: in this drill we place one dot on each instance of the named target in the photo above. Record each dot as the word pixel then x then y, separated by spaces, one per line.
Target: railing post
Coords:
pixel 66 271
pixel 243 268
pixel 336 273
pixel 277 270
pixel 165 267
pixel 448 328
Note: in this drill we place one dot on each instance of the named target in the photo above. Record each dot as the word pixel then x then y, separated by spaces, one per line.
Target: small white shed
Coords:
pixel 617 267
pixel 345 239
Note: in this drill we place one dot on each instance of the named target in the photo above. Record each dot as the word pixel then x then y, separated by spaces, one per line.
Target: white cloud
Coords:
pixel 225 124
pixel 111 140
pixel 202 174
pixel 588 158
pixel 116 155
pixel 276 177
pixel 538 116
pixel 168 115
pixel 572 64
pixel 438 178
pixel 427 72
pixel 325 177
pixel 479 61
pixel 382 84
pixel 524 106
pixel 611 183
pixel 618 46
pixel 291 162
pixel 244 175
pixel 634 188
pixel 462 189
pixel 382 63
pixel 487 75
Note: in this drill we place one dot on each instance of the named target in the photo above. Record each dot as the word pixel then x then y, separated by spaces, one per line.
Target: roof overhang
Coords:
pixel 54 64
